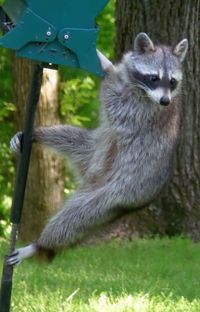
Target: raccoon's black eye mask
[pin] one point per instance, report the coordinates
(153, 81)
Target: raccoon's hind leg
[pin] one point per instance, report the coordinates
(85, 210)
(81, 214)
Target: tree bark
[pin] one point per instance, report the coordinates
(167, 22)
(45, 185)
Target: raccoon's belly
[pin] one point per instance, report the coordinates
(146, 178)
(150, 186)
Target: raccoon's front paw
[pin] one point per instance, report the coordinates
(16, 142)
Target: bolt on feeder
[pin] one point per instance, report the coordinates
(60, 32)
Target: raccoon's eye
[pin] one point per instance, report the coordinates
(173, 82)
(154, 78)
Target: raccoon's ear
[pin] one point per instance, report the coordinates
(180, 49)
(143, 43)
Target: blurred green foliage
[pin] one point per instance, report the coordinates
(78, 105)
(6, 130)
(78, 99)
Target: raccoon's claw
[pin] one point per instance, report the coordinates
(14, 258)
(16, 142)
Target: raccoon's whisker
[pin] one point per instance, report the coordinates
(140, 84)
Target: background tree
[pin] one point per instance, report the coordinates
(178, 209)
(45, 186)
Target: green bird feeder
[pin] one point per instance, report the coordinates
(60, 32)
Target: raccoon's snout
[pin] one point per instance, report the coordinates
(164, 100)
(160, 96)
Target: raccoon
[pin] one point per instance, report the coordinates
(128, 159)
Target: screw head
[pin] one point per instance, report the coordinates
(66, 37)
(48, 33)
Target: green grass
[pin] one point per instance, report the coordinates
(145, 275)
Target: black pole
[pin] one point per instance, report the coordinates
(20, 184)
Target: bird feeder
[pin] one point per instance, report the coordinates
(60, 32)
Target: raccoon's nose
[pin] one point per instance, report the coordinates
(164, 100)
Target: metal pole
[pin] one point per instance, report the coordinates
(20, 184)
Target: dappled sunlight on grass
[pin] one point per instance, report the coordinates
(104, 302)
(142, 303)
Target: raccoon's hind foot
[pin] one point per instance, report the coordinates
(16, 143)
(18, 255)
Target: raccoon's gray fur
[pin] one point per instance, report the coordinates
(128, 159)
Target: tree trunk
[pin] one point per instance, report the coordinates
(178, 209)
(45, 186)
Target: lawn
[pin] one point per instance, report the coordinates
(144, 275)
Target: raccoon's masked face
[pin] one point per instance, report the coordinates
(157, 69)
